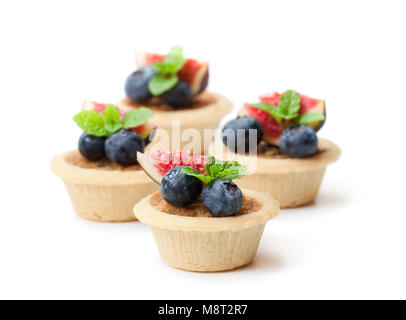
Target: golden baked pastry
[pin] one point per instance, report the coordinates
(102, 191)
(208, 244)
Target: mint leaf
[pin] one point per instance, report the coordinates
(158, 66)
(111, 117)
(288, 117)
(271, 109)
(213, 167)
(309, 118)
(234, 172)
(164, 69)
(92, 123)
(217, 169)
(161, 83)
(210, 161)
(287, 110)
(197, 174)
(175, 59)
(214, 171)
(166, 77)
(229, 170)
(289, 104)
(137, 117)
(102, 125)
(172, 63)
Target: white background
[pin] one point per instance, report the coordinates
(349, 244)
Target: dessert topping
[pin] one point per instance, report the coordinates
(104, 124)
(136, 85)
(166, 77)
(92, 147)
(217, 169)
(299, 141)
(290, 115)
(173, 78)
(182, 186)
(109, 134)
(222, 198)
(236, 134)
(180, 189)
(179, 96)
(122, 147)
(277, 111)
(287, 111)
(156, 163)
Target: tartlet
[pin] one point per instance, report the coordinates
(205, 244)
(277, 140)
(201, 220)
(294, 182)
(102, 193)
(175, 88)
(103, 177)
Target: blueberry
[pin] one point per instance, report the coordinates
(121, 147)
(179, 96)
(92, 147)
(180, 189)
(136, 85)
(222, 198)
(236, 134)
(298, 141)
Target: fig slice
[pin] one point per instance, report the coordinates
(156, 162)
(148, 167)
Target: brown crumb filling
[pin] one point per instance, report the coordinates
(197, 209)
(202, 100)
(268, 150)
(78, 160)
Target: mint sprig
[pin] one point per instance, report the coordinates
(309, 118)
(136, 117)
(160, 83)
(287, 111)
(166, 77)
(217, 169)
(91, 122)
(111, 116)
(103, 125)
(289, 103)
